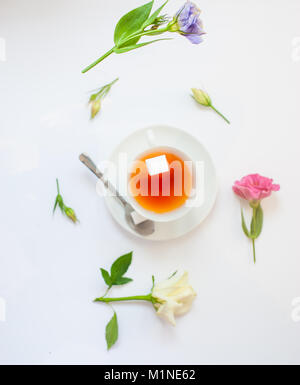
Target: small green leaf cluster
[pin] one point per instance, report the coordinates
(115, 278)
(117, 271)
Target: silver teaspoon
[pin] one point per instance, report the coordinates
(144, 228)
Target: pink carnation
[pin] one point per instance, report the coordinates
(254, 187)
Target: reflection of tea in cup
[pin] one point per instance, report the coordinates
(161, 182)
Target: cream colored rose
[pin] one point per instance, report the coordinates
(174, 296)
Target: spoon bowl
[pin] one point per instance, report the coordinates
(144, 228)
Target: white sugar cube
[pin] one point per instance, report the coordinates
(157, 165)
(137, 218)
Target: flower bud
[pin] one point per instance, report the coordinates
(201, 97)
(160, 20)
(96, 105)
(71, 214)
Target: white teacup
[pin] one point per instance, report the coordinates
(178, 212)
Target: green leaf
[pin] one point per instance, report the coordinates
(120, 266)
(106, 277)
(257, 222)
(59, 201)
(122, 281)
(132, 47)
(252, 226)
(132, 22)
(244, 226)
(111, 331)
(55, 205)
(155, 14)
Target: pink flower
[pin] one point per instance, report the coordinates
(254, 187)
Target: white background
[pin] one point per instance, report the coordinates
(49, 268)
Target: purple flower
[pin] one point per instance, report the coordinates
(189, 23)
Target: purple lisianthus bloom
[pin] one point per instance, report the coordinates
(189, 23)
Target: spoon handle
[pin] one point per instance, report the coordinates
(87, 161)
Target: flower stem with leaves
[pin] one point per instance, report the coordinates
(96, 98)
(68, 211)
(130, 28)
(254, 188)
(146, 297)
(140, 22)
(256, 225)
(169, 299)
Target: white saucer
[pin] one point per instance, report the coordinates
(138, 142)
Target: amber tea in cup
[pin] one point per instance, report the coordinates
(165, 190)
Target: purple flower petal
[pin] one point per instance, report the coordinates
(189, 22)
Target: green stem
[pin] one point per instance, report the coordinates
(98, 60)
(147, 297)
(107, 290)
(113, 82)
(219, 113)
(57, 186)
(105, 90)
(254, 252)
(144, 33)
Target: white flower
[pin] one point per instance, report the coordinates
(174, 296)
